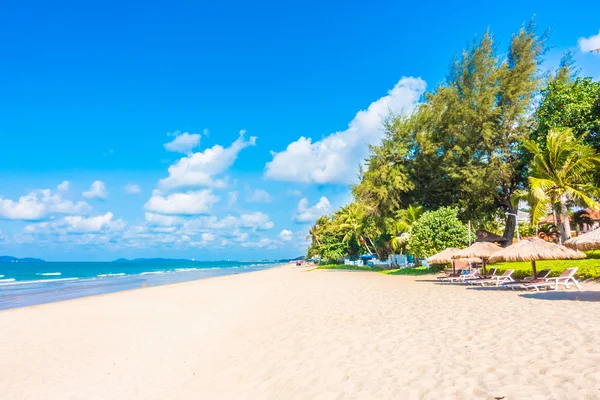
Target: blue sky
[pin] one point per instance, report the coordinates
(216, 130)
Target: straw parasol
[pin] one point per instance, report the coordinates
(534, 249)
(587, 241)
(444, 257)
(481, 250)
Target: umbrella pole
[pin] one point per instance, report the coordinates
(483, 259)
(453, 269)
(533, 270)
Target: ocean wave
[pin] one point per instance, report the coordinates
(1, 276)
(185, 269)
(13, 282)
(105, 275)
(154, 273)
(48, 273)
(7, 279)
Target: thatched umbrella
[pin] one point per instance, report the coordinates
(587, 241)
(481, 250)
(533, 249)
(444, 257)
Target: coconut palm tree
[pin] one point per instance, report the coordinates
(560, 172)
(353, 219)
(405, 218)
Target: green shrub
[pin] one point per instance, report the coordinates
(436, 231)
(350, 267)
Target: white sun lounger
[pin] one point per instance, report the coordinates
(498, 280)
(567, 277)
(459, 279)
(474, 281)
(523, 284)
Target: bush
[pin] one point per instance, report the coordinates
(436, 231)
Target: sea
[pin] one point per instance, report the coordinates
(31, 283)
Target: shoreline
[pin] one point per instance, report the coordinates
(112, 285)
(283, 333)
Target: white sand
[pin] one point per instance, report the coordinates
(290, 334)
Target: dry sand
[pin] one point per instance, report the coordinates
(289, 334)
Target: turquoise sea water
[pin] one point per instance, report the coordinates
(25, 284)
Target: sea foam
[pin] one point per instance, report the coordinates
(48, 273)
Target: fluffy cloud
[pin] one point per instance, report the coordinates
(38, 204)
(589, 44)
(132, 188)
(335, 159)
(183, 142)
(256, 220)
(78, 224)
(264, 243)
(202, 168)
(306, 213)
(189, 203)
(208, 237)
(163, 220)
(286, 235)
(259, 196)
(97, 190)
(63, 186)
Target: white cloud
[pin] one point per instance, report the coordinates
(256, 220)
(208, 237)
(286, 235)
(267, 243)
(63, 187)
(183, 142)
(259, 196)
(97, 190)
(38, 204)
(306, 213)
(163, 220)
(78, 224)
(335, 159)
(232, 198)
(590, 43)
(200, 169)
(132, 188)
(189, 203)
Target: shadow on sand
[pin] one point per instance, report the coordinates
(586, 295)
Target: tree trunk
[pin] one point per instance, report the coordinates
(374, 247)
(509, 228)
(565, 226)
(366, 245)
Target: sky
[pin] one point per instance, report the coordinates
(218, 130)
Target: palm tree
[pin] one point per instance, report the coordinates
(352, 217)
(562, 171)
(548, 232)
(405, 218)
(313, 232)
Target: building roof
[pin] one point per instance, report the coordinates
(485, 236)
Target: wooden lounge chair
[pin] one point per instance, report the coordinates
(567, 277)
(475, 280)
(498, 280)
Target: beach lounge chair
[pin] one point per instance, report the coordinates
(498, 280)
(449, 274)
(492, 274)
(567, 277)
(464, 276)
(541, 277)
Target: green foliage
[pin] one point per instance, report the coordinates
(413, 271)
(436, 231)
(560, 171)
(349, 267)
(568, 103)
(586, 268)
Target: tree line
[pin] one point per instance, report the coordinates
(496, 133)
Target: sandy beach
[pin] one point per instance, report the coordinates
(286, 333)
